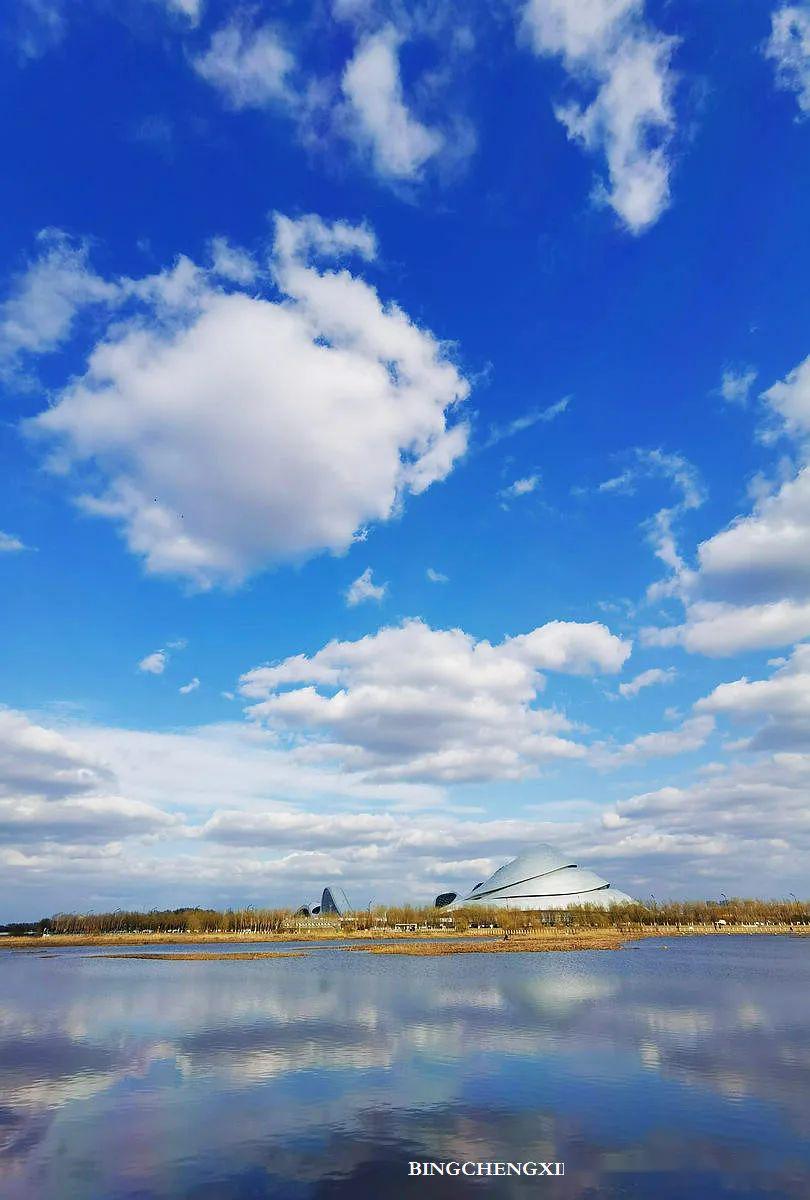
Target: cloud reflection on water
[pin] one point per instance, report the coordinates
(333, 1070)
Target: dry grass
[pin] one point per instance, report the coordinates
(209, 955)
(418, 942)
(531, 944)
(324, 933)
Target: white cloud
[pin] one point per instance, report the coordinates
(81, 812)
(364, 588)
(411, 702)
(691, 735)
(42, 762)
(436, 576)
(647, 679)
(654, 463)
(785, 694)
(39, 314)
(535, 416)
(749, 824)
(154, 664)
(752, 585)
(720, 629)
(622, 483)
(231, 262)
(521, 487)
(41, 25)
(765, 556)
(191, 686)
(192, 9)
(789, 48)
(781, 703)
(235, 764)
(249, 66)
(661, 527)
(235, 431)
(51, 787)
(378, 117)
(9, 544)
(736, 384)
(607, 44)
(790, 400)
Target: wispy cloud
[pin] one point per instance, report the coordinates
(520, 487)
(646, 679)
(735, 386)
(497, 433)
(9, 544)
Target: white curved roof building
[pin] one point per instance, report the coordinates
(543, 878)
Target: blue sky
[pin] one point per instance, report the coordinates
(405, 447)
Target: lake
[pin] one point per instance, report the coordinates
(674, 1069)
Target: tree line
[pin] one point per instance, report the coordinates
(254, 920)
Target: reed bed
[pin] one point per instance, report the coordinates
(532, 944)
(395, 921)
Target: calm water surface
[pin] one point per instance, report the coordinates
(675, 1069)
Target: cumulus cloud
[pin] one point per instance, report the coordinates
(155, 663)
(235, 431)
(364, 588)
(789, 398)
(721, 629)
(232, 262)
(191, 686)
(249, 66)
(788, 47)
(361, 100)
(377, 116)
(691, 735)
(436, 576)
(39, 313)
(411, 702)
(607, 45)
(751, 585)
(780, 704)
(764, 557)
(646, 679)
(9, 544)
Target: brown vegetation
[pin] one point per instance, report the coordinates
(207, 955)
(529, 944)
(404, 921)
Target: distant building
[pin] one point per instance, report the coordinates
(543, 879)
(333, 903)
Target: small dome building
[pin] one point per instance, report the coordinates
(543, 878)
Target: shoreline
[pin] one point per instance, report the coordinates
(416, 942)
